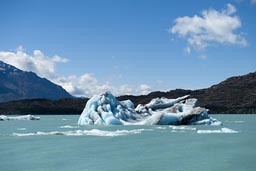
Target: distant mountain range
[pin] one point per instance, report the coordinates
(16, 84)
(235, 95)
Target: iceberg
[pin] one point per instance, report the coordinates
(105, 109)
(24, 117)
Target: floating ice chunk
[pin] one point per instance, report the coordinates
(128, 104)
(3, 118)
(169, 119)
(162, 103)
(209, 121)
(159, 127)
(23, 134)
(25, 117)
(105, 109)
(65, 119)
(93, 132)
(222, 130)
(234, 121)
(68, 126)
(182, 128)
(21, 129)
(238, 121)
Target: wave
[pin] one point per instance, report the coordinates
(93, 132)
(222, 130)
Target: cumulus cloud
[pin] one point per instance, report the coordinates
(84, 85)
(209, 28)
(87, 85)
(39, 63)
(57, 58)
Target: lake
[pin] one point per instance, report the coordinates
(57, 143)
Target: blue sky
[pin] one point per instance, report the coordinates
(129, 46)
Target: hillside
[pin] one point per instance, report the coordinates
(235, 95)
(16, 84)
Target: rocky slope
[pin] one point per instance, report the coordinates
(234, 95)
(16, 84)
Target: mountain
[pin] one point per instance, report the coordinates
(236, 95)
(16, 84)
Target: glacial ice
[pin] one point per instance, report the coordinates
(105, 109)
(24, 117)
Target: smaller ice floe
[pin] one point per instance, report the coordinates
(21, 129)
(24, 117)
(182, 128)
(69, 126)
(234, 121)
(160, 127)
(222, 130)
(105, 109)
(179, 131)
(64, 119)
(238, 121)
(93, 132)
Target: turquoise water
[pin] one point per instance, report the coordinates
(55, 143)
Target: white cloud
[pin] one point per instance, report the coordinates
(85, 85)
(187, 50)
(212, 27)
(141, 89)
(202, 56)
(38, 62)
(57, 58)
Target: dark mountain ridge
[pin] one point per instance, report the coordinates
(16, 84)
(235, 95)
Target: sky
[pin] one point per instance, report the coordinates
(129, 46)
